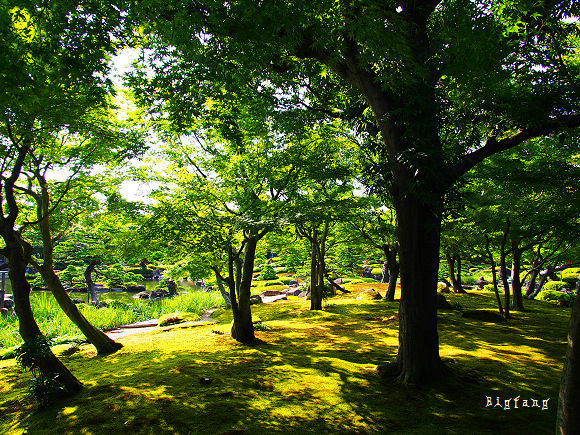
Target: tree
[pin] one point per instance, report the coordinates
(437, 87)
(569, 399)
(53, 67)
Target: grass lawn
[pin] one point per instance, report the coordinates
(308, 373)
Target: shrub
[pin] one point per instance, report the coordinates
(555, 286)
(285, 279)
(557, 297)
(377, 271)
(268, 272)
(570, 276)
(270, 283)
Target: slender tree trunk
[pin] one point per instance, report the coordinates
(419, 228)
(90, 283)
(390, 252)
(531, 286)
(503, 270)
(220, 285)
(385, 273)
(494, 275)
(315, 287)
(568, 422)
(458, 281)
(95, 336)
(517, 302)
(28, 327)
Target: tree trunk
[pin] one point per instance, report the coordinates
(517, 303)
(90, 283)
(531, 286)
(316, 289)
(220, 284)
(28, 327)
(458, 283)
(503, 271)
(419, 228)
(391, 255)
(95, 336)
(385, 274)
(568, 422)
(243, 328)
(494, 275)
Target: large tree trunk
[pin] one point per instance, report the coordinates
(28, 328)
(418, 232)
(243, 328)
(568, 422)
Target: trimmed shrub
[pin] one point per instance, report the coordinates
(276, 282)
(570, 276)
(268, 273)
(557, 297)
(555, 286)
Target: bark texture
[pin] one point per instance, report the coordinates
(568, 422)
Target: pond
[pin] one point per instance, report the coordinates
(121, 296)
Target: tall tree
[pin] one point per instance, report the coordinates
(439, 86)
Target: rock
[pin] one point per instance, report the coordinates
(268, 299)
(294, 292)
(205, 381)
(442, 303)
(483, 315)
(141, 295)
(303, 294)
(272, 293)
(369, 294)
(338, 281)
(77, 301)
(159, 293)
(4, 311)
(293, 283)
(135, 288)
(255, 299)
(172, 287)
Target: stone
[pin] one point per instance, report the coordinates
(159, 293)
(4, 311)
(135, 288)
(293, 283)
(442, 303)
(303, 294)
(255, 299)
(294, 292)
(272, 293)
(268, 299)
(369, 294)
(141, 295)
(483, 315)
(77, 301)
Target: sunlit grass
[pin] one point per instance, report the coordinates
(308, 372)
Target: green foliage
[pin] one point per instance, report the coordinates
(557, 297)
(570, 276)
(73, 275)
(273, 282)
(268, 272)
(555, 286)
(30, 356)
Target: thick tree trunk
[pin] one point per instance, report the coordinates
(418, 232)
(517, 302)
(90, 283)
(568, 422)
(243, 328)
(28, 327)
(316, 289)
(95, 336)
(390, 252)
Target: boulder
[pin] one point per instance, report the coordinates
(4, 311)
(268, 299)
(483, 315)
(272, 293)
(159, 293)
(369, 294)
(255, 299)
(442, 303)
(303, 294)
(135, 288)
(294, 292)
(141, 295)
(77, 301)
(293, 283)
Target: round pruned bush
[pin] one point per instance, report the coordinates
(268, 273)
(555, 286)
(565, 298)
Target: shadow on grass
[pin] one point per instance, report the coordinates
(313, 372)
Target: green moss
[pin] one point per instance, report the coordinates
(177, 317)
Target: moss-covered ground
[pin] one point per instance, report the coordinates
(308, 372)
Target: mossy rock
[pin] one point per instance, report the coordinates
(483, 315)
(369, 295)
(177, 317)
(442, 303)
